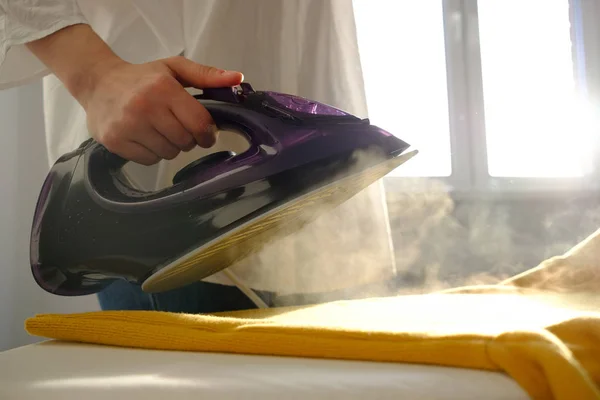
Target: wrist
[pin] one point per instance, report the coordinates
(83, 81)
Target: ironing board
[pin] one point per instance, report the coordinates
(55, 370)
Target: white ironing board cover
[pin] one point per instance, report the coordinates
(54, 370)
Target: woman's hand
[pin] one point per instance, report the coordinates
(139, 111)
(143, 113)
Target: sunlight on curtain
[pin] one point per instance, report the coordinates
(403, 58)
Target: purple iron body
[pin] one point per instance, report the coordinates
(91, 227)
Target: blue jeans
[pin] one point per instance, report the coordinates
(204, 297)
(197, 298)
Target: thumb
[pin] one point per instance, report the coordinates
(191, 74)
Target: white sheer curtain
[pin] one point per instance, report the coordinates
(403, 59)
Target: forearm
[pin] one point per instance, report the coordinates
(77, 56)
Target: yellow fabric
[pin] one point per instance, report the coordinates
(552, 351)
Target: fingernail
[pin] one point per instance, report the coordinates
(209, 138)
(211, 129)
(231, 74)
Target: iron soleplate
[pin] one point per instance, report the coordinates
(250, 237)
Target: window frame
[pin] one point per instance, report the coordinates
(466, 105)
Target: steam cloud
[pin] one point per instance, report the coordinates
(438, 244)
(436, 248)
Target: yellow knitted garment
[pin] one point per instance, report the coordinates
(552, 351)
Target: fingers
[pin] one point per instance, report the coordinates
(158, 144)
(137, 153)
(147, 148)
(190, 73)
(194, 118)
(167, 124)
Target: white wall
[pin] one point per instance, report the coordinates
(8, 220)
(23, 167)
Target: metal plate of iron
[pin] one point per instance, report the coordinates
(250, 237)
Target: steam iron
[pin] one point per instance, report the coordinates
(91, 227)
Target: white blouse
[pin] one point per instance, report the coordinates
(148, 24)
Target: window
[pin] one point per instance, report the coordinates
(534, 120)
(488, 91)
